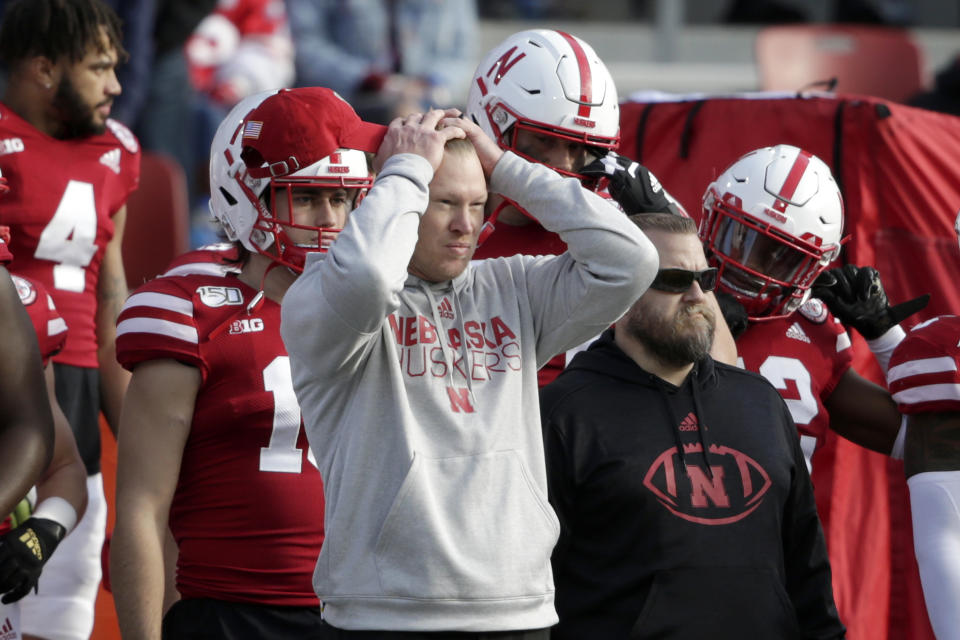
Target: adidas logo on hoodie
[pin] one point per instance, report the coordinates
(445, 309)
(689, 423)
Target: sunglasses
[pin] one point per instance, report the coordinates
(679, 280)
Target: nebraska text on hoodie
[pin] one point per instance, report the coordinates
(421, 399)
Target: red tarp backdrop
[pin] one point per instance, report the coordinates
(899, 170)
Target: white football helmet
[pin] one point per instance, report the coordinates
(772, 222)
(546, 82)
(242, 205)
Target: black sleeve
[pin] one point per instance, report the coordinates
(805, 551)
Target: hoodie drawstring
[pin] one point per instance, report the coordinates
(440, 334)
(676, 432)
(702, 426)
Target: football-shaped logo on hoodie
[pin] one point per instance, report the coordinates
(731, 490)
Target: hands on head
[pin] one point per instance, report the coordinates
(425, 134)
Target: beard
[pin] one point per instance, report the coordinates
(76, 116)
(682, 339)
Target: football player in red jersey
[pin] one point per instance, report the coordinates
(211, 440)
(70, 168)
(772, 223)
(924, 378)
(548, 97)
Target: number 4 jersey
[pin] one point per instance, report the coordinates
(63, 195)
(248, 509)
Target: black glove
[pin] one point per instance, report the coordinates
(733, 313)
(855, 295)
(23, 552)
(632, 185)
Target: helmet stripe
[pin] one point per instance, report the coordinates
(586, 79)
(793, 180)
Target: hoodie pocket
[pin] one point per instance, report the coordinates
(718, 603)
(467, 527)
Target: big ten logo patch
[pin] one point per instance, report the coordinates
(246, 325)
(11, 145)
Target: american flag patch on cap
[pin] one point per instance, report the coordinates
(252, 129)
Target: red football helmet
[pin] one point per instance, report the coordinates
(772, 222)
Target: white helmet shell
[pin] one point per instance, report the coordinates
(549, 80)
(772, 222)
(234, 194)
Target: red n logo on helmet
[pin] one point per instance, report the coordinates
(501, 65)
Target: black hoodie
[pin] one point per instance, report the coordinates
(656, 543)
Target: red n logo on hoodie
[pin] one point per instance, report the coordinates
(460, 400)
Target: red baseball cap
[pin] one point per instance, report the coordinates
(294, 128)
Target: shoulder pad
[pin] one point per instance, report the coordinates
(124, 135)
(814, 310)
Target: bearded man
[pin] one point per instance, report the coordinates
(685, 505)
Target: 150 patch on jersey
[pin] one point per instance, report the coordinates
(220, 296)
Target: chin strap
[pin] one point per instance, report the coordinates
(489, 225)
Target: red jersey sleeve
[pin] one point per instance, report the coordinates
(924, 374)
(157, 322)
(50, 328)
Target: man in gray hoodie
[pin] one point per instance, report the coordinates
(416, 371)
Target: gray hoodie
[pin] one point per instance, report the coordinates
(420, 401)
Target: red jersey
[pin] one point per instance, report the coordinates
(50, 328)
(924, 373)
(247, 513)
(63, 195)
(803, 356)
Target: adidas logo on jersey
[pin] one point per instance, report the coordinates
(10, 145)
(111, 159)
(796, 332)
(445, 309)
(689, 423)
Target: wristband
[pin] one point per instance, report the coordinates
(58, 510)
(883, 346)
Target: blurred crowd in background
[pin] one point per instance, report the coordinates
(192, 60)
